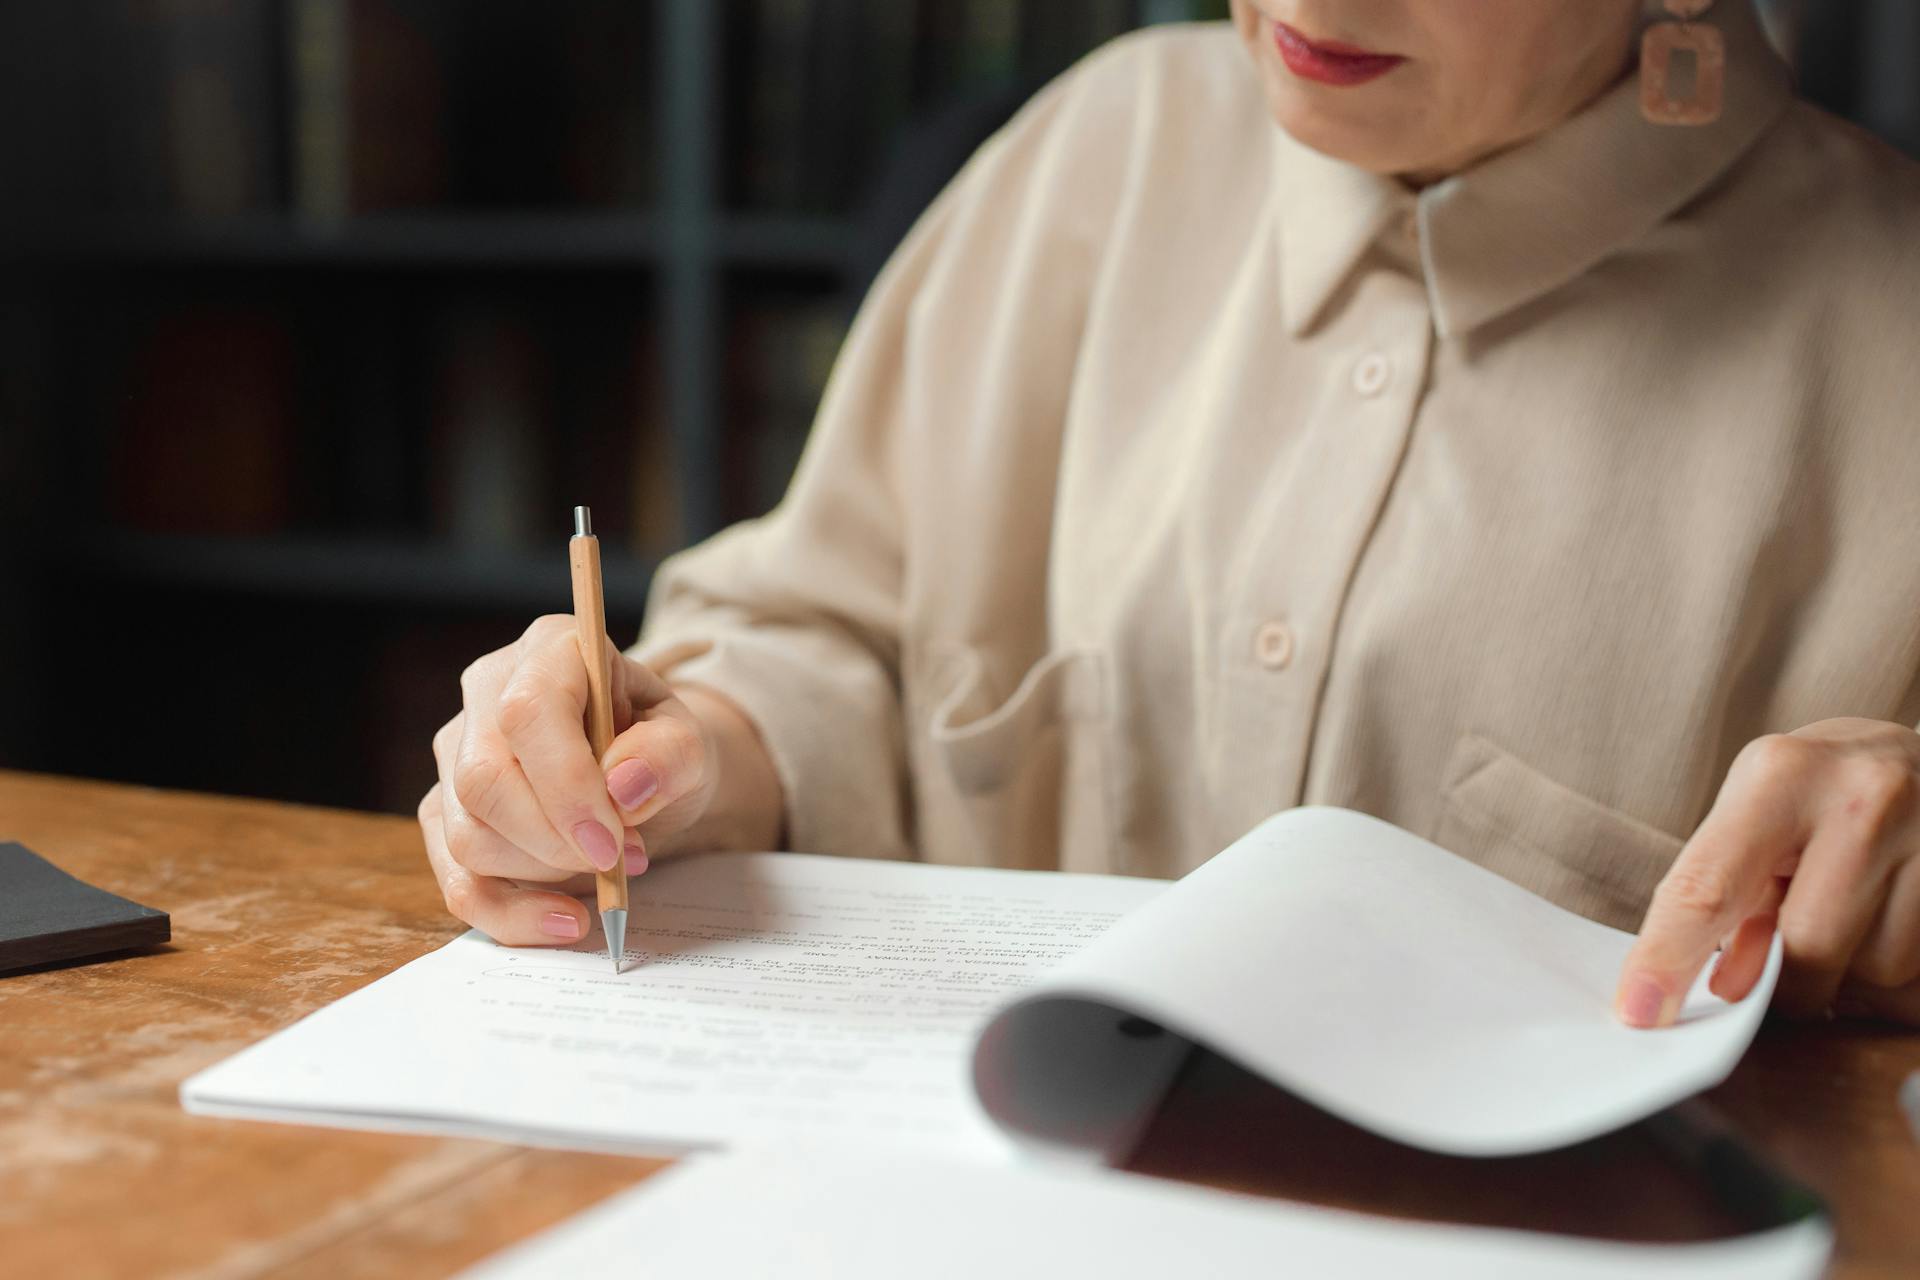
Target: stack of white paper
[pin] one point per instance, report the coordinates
(781, 997)
(782, 1001)
(766, 997)
(831, 1218)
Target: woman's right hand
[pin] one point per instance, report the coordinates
(523, 814)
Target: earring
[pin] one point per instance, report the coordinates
(1709, 50)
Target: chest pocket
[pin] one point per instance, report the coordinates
(1568, 848)
(1019, 782)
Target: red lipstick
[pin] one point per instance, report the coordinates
(1329, 61)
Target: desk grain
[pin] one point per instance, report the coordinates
(279, 909)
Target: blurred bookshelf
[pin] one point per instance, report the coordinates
(336, 308)
(320, 315)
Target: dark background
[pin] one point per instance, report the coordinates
(318, 316)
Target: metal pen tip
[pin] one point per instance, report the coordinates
(582, 522)
(613, 922)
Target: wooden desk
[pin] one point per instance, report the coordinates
(278, 910)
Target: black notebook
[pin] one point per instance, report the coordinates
(46, 915)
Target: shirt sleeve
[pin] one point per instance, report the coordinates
(797, 616)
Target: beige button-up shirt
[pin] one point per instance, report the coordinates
(1174, 474)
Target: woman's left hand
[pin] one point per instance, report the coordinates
(1816, 832)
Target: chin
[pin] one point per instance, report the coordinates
(1365, 145)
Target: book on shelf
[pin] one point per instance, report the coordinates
(885, 59)
(184, 96)
(491, 417)
(829, 84)
(396, 105)
(318, 60)
(836, 98)
(203, 437)
(612, 447)
(609, 144)
(398, 112)
(532, 415)
(656, 520)
(362, 404)
(549, 105)
(965, 47)
(989, 52)
(771, 158)
(780, 354)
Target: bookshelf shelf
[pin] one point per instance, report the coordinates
(361, 570)
(396, 240)
(453, 240)
(816, 242)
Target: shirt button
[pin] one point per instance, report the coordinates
(1371, 373)
(1273, 645)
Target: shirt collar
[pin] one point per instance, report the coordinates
(1524, 222)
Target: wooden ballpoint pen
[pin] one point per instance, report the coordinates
(590, 617)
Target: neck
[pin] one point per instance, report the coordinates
(1611, 61)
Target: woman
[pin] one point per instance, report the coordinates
(1364, 403)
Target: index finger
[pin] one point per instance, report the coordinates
(541, 713)
(1722, 876)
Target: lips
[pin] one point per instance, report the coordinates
(1330, 61)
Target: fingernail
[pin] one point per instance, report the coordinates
(597, 843)
(558, 924)
(631, 784)
(636, 858)
(1642, 1002)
